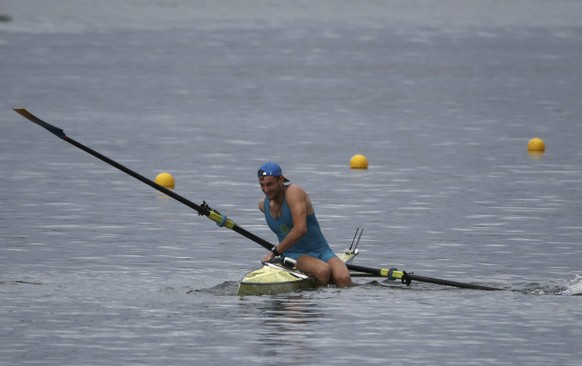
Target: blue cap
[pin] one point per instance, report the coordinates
(271, 169)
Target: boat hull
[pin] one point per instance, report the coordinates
(275, 278)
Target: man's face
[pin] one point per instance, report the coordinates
(271, 186)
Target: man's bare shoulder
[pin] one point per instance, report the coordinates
(294, 189)
(296, 194)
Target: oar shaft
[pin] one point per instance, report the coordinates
(394, 274)
(380, 272)
(204, 210)
(438, 281)
(137, 176)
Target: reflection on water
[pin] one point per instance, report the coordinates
(286, 326)
(535, 155)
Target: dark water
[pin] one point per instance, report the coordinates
(98, 269)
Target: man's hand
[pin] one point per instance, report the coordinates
(268, 257)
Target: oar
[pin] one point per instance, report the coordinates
(203, 209)
(407, 278)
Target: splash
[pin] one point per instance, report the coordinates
(574, 287)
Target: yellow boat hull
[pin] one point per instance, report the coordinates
(274, 278)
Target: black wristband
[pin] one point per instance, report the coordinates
(275, 251)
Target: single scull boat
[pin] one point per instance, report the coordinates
(280, 275)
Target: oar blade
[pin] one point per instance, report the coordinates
(34, 119)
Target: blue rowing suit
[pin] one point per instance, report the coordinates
(313, 243)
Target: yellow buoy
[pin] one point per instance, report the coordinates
(165, 180)
(536, 144)
(359, 162)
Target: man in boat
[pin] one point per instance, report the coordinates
(290, 215)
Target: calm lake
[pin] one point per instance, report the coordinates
(442, 97)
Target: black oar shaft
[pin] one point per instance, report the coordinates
(380, 272)
(202, 210)
(438, 281)
(394, 274)
(136, 175)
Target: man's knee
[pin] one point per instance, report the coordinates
(343, 279)
(323, 274)
(341, 275)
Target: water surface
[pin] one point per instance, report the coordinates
(97, 268)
